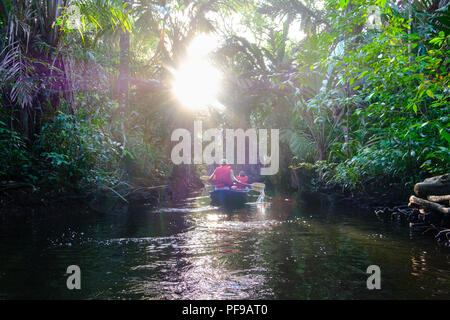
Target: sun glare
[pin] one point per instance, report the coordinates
(196, 82)
(202, 45)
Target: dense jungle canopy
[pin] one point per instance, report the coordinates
(91, 90)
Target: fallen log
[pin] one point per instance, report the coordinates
(413, 200)
(439, 198)
(437, 186)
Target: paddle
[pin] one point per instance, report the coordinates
(257, 186)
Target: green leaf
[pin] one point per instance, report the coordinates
(445, 134)
(363, 74)
(424, 124)
(430, 93)
(343, 4)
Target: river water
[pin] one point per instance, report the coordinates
(279, 249)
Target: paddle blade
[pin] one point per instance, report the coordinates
(258, 186)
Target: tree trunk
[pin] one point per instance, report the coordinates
(25, 122)
(445, 198)
(124, 76)
(436, 186)
(124, 69)
(428, 205)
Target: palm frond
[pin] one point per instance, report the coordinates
(15, 72)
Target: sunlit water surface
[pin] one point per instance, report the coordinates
(279, 249)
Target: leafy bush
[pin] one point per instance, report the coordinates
(77, 151)
(15, 160)
(394, 83)
(388, 164)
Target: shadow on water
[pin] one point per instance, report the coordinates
(189, 249)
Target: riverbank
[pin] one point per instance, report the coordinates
(23, 199)
(311, 185)
(23, 203)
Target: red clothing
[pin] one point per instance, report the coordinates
(243, 179)
(223, 176)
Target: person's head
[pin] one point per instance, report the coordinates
(242, 173)
(224, 162)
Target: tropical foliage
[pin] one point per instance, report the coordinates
(85, 97)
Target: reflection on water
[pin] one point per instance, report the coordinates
(261, 196)
(277, 249)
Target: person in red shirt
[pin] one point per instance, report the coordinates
(242, 178)
(223, 176)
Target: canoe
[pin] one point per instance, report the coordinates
(229, 197)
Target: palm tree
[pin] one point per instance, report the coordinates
(35, 68)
